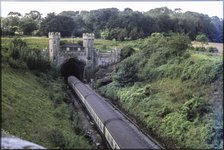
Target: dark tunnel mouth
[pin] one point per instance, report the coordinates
(72, 67)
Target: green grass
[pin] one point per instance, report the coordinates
(209, 57)
(28, 112)
(161, 107)
(173, 99)
(33, 42)
(172, 95)
(100, 44)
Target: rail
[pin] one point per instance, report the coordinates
(126, 117)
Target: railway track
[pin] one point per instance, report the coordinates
(119, 131)
(130, 120)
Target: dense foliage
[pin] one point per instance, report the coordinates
(114, 24)
(35, 105)
(170, 88)
(18, 55)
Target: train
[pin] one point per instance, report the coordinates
(116, 129)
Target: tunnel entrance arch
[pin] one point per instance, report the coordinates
(73, 67)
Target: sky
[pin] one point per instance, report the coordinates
(211, 8)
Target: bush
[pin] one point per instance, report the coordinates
(80, 43)
(57, 138)
(62, 42)
(126, 52)
(178, 44)
(35, 61)
(110, 91)
(195, 107)
(127, 72)
(104, 47)
(15, 53)
(32, 57)
(62, 112)
(213, 50)
(18, 43)
(201, 49)
(201, 71)
(202, 38)
(76, 123)
(17, 64)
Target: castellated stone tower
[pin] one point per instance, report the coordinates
(88, 40)
(54, 46)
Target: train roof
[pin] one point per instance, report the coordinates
(126, 135)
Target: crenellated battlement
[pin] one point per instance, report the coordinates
(88, 36)
(86, 53)
(54, 34)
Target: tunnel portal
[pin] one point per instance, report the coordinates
(72, 67)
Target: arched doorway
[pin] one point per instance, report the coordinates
(72, 67)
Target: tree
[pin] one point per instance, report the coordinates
(14, 14)
(71, 14)
(104, 34)
(178, 44)
(10, 24)
(177, 10)
(53, 23)
(28, 25)
(128, 10)
(35, 15)
(127, 71)
(202, 38)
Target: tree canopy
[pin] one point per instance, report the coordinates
(111, 23)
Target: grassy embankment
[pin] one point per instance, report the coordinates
(34, 104)
(170, 88)
(172, 96)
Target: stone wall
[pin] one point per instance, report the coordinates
(54, 46)
(87, 54)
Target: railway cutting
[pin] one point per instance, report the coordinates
(118, 131)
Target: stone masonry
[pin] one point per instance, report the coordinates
(59, 54)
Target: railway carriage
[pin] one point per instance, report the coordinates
(118, 132)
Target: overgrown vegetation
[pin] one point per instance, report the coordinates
(166, 83)
(35, 106)
(170, 88)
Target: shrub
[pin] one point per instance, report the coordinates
(178, 44)
(213, 50)
(110, 91)
(15, 53)
(18, 43)
(195, 107)
(62, 112)
(62, 42)
(103, 47)
(36, 62)
(202, 71)
(126, 52)
(127, 71)
(57, 138)
(17, 64)
(202, 38)
(80, 43)
(201, 49)
(76, 122)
